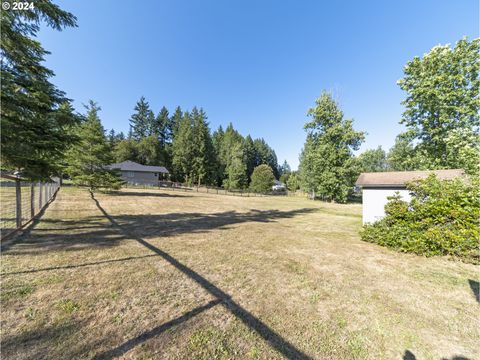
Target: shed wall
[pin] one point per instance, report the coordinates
(374, 201)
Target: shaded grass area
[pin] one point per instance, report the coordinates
(156, 274)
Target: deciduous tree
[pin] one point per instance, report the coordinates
(327, 162)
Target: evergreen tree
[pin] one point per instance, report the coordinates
(236, 169)
(112, 137)
(285, 168)
(142, 121)
(125, 149)
(174, 123)
(182, 150)
(88, 160)
(36, 118)
(217, 139)
(327, 162)
(232, 155)
(265, 155)
(149, 151)
(250, 156)
(161, 129)
(203, 151)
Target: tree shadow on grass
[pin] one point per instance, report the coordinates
(475, 286)
(146, 194)
(31, 343)
(94, 232)
(408, 355)
(276, 341)
(130, 344)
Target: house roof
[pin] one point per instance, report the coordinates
(133, 166)
(400, 178)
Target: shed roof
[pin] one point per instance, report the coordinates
(400, 178)
(133, 166)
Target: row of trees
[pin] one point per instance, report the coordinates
(441, 118)
(184, 144)
(42, 136)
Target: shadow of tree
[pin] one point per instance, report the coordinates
(270, 336)
(28, 340)
(408, 355)
(146, 194)
(91, 232)
(475, 286)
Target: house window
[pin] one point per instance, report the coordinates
(156, 174)
(130, 174)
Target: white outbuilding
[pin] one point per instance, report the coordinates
(378, 186)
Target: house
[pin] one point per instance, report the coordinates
(378, 186)
(137, 174)
(278, 186)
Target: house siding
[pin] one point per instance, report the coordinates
(140, 177)
(374, 201)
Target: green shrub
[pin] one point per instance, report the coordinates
(262, 179)
(442, 218)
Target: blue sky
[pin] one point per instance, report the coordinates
(258, 64)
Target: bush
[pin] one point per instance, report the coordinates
(262, 179)
(441, 219)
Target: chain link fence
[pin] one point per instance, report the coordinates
(21, 201)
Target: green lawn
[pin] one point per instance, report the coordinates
(171, 275)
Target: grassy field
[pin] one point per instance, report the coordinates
(157, 274)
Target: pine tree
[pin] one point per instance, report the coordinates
(217, 139)
(250, 156)
(264, 154)
(88, 160)
(142, 122)
(125, 149)
(203, 152)
(182, 150)
(236, 169)
(174, 123)
(36, 117)
(161, 129)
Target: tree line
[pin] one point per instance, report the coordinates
(185, 145)
(43, 136)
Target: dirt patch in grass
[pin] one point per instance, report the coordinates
(159, 274)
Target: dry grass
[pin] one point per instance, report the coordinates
(158, 274)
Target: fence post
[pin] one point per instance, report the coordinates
(18, 199)
(32, 200)
(40, 196)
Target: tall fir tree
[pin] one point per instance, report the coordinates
(266, 155)
(250, 156)
(174, 123)
(182, 150)
(203, 151)
(36, 117)
(161, 127)
(142, 122)
(217, 139)
(88, 159)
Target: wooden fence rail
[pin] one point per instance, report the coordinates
(21, 201)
